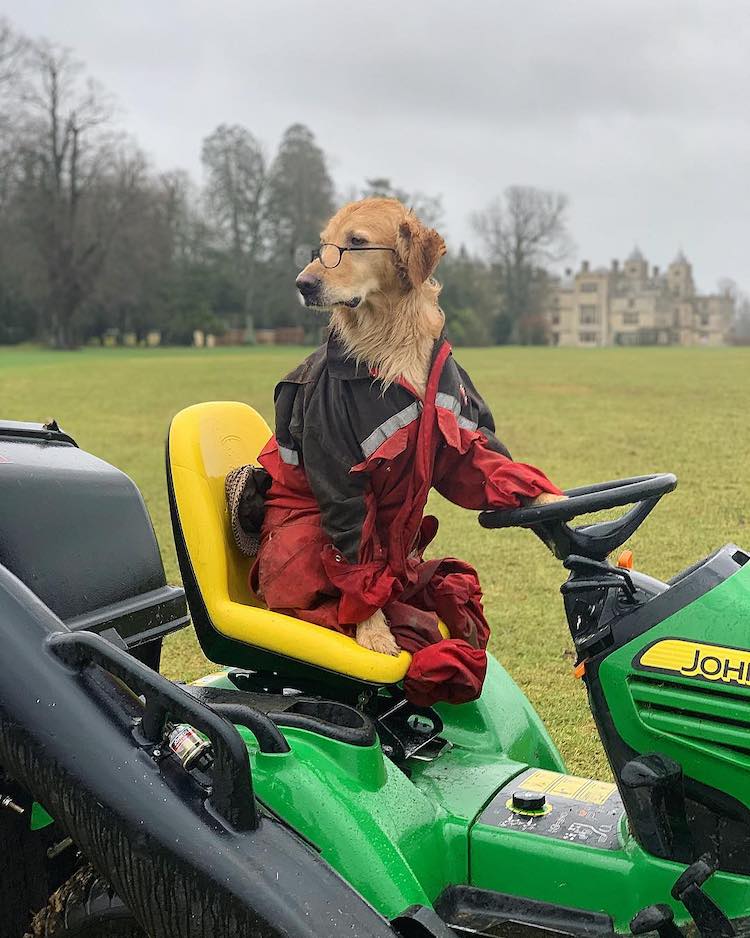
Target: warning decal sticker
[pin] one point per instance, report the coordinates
(571, 786)
(579, 810)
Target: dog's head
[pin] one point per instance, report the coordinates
(375, 246)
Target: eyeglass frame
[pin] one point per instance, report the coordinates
(315, 253)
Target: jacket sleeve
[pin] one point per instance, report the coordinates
(475, 470)
(353, 561)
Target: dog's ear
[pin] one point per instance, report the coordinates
(418, 250)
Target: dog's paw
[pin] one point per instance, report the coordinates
(374, 634)
(546, 498)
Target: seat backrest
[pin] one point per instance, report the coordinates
(206, 441)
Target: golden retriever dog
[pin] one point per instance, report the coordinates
(382, 297)
(373, 272)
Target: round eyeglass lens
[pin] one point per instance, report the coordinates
(330, 255)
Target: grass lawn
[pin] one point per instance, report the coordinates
(582, 415)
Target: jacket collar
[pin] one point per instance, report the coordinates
(341, 365)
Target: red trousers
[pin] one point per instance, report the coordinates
(292, 576)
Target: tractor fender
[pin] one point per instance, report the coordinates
(185, 867)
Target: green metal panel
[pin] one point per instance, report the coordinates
(364, 815)
(501, 723)
(681, 716)
(401, 840)
(619, 883)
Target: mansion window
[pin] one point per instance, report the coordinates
(630, 318)
(587, 336)
(591, 286)
(589, 315)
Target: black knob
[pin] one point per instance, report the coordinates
(658, 918)
(528, 800)
(695, 875)
(651, 771)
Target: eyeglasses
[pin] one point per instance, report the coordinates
(330, 255)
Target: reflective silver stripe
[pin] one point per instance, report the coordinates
(290, 456)
(466, 424)
(449, 402)
(386, 429)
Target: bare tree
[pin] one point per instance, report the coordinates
(77, 182)
(12, 48)
(740, 327)
(741, 324)
(729, 287)
(17, 320)
(180, 201)
(522, 234)
(235, 188)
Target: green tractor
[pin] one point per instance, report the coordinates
(296, 791)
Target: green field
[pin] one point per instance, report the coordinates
(582, 415)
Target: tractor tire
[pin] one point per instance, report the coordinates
(23, 874)
(85, 907)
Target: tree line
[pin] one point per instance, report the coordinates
(96, 241)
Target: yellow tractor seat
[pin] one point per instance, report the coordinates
(205, 442)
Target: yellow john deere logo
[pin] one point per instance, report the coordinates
(697, 660)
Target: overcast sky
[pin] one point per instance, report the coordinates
(639, 111)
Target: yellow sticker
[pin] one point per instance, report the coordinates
(569, 786)
(698, 660)
(598, 792)
(540, 780)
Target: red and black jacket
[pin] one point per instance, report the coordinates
(364, 458)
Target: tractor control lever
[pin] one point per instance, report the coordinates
(659, 810)
(599, 568)
(711, 921)
(658, 918)
(585, 593)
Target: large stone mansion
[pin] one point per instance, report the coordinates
(634, 305)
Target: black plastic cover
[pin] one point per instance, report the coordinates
(187, 862)
(76, 531)
(472, 911)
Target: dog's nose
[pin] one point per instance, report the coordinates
(307, 284)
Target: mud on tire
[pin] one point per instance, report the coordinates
(85, 907)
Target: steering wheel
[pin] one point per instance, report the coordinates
(594, 541)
